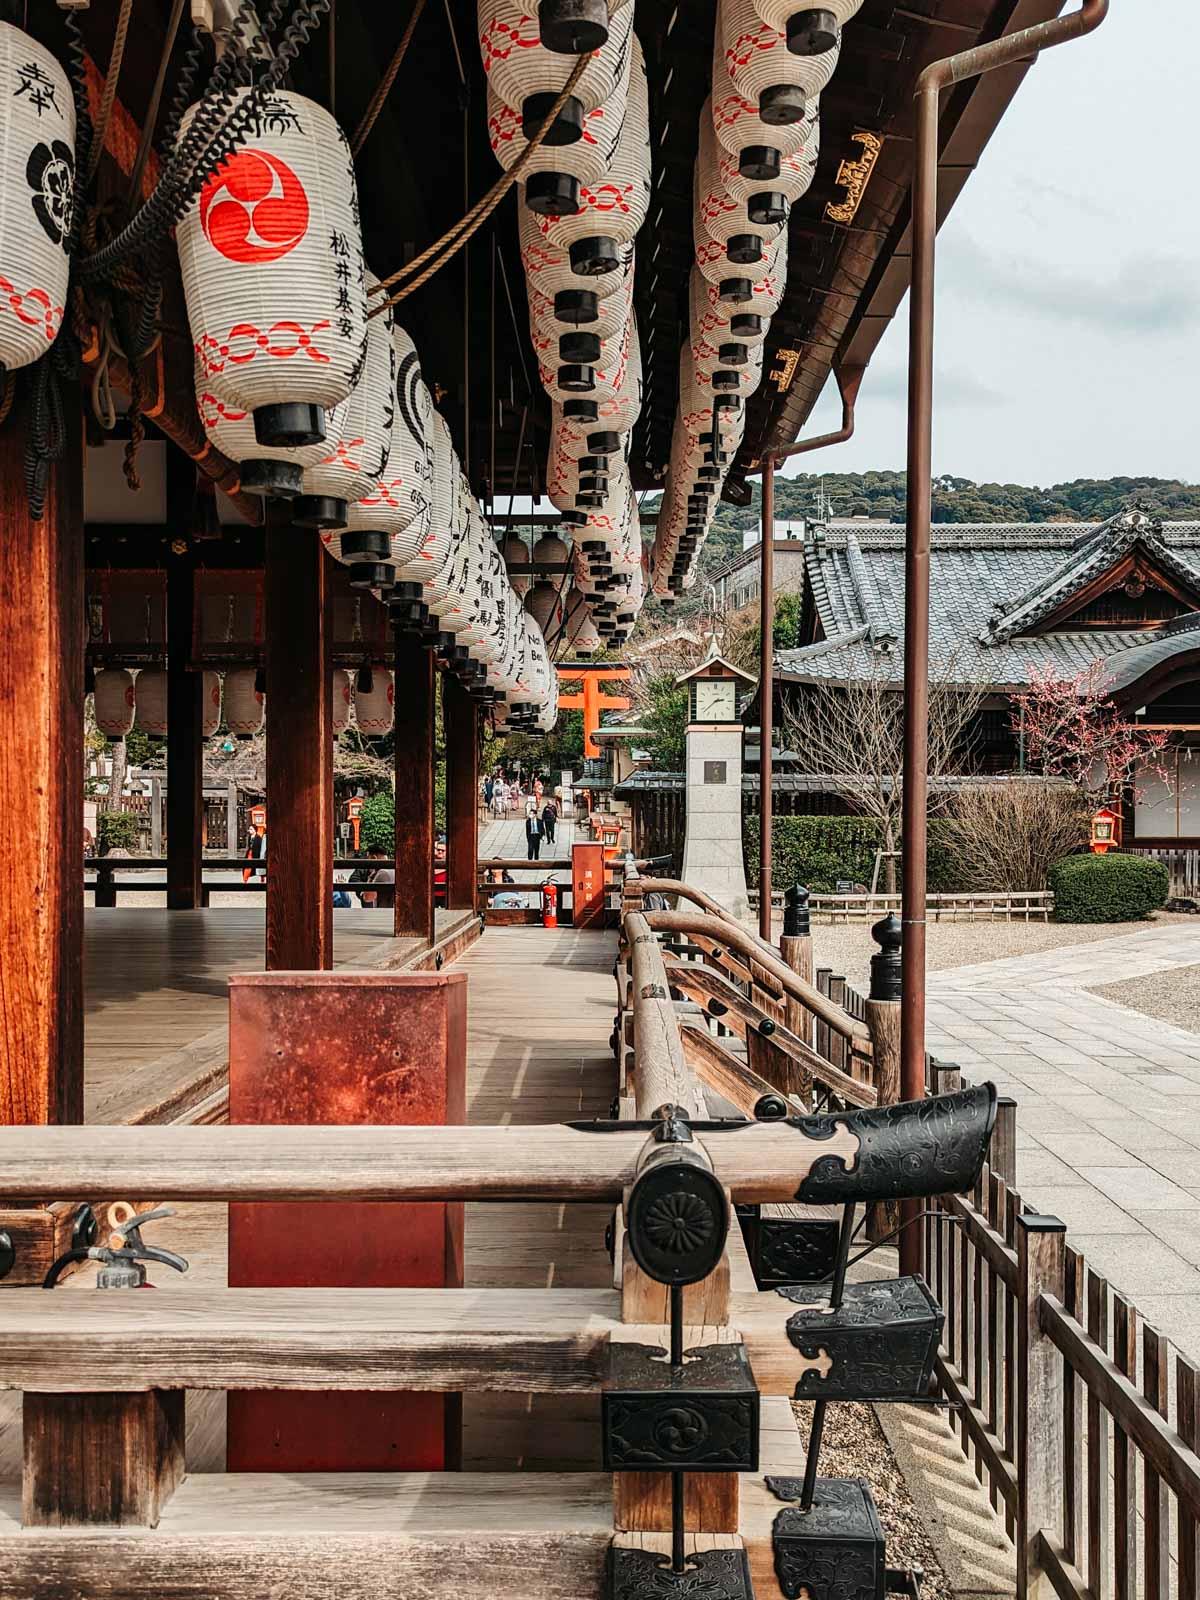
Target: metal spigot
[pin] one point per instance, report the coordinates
(123, 1256)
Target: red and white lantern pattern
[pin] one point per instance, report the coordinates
(518, 65)
(245, 704)
(210, 704)
(375, 708)
(150, 702)
(352, 468)
(341, 700)
(114, 702)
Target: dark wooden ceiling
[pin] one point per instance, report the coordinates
(428, 158)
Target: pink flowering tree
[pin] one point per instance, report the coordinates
(1071, 729)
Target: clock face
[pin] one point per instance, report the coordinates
(716, 700)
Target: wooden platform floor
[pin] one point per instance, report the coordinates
(155, 992)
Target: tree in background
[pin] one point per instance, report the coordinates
(854, 734)
(1070, 728)
(1007, 833)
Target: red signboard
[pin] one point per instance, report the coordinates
(587, 885)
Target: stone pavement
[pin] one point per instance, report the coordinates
(505, 840)
(1109, 1106)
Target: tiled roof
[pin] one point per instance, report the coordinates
(980, 574)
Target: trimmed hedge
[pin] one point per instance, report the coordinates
(1107, 888)
(118, 831)
(818, 851)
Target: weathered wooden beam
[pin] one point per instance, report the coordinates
(102, 1457)
(662, 1074)
(41, 785)
(756, 1162)
(720, 1070)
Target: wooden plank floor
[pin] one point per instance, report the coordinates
(156, 986)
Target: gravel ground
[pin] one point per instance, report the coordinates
(848, 947)
(854, 1447)
(1172, 996)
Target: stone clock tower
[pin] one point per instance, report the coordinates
(712, 852)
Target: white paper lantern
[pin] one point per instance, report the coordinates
(210, 703)
(434, 549)
(341, 699)
(245, 704)
(114, 702)
(273, 272)
(738, 125)
(548, 270)
(516, 554)
(810, 29)
(150, 702)
(772, 172)
(38, 140)
(552, 174)
(530, 78)
(375, 707)
(761, 67)
(569, 309)
(263, 469)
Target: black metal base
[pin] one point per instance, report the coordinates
(552, 194)
(746, 325)
(577, 306)
(879, 1344)
(768, 209)
(744, 249)
(289, 425)
(276, 480)
(735, 290)
(734, 355)
(708, 1575)
(761, 162)
(781, 104)
(371, 575)
(567, 127)
(812, 32)
(604, 443)
(576, 379)
(582, 348)
(593, 257)
(366, 544)
(580, 410)
(786, 1251)
(319, 511)
(834, 1550)
(573, 27)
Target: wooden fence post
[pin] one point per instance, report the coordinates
(100, 1458)
(1002, 1153)
(1041, 1270)
(883, 1019)
(795, 948)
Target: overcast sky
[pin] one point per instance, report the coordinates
(1068, 305)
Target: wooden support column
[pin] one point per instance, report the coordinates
(100, 1458)
(185, 740)
(415, 706)
(460, 723)
(41, 785)
(299, 751)
(883, 1019)
(1041, 1269)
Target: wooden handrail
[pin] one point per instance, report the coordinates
(737, 938)
(662, 1074)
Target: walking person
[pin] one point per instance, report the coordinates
(549, 819)
(533, 830)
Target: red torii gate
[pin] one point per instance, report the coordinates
(590, 701)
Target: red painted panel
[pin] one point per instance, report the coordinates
(587, 885)
(345, 1048)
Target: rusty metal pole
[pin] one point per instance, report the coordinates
(939, 75)
(766, 694)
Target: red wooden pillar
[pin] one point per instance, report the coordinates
(299, 751)
(185, 740)
(346, 1048)
(41, 787)
(460, 721)
(415, 705)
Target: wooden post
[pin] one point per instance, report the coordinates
(415, 706)
(883, 1019)
(41, 782)
(233, 838)
(1041, 1269)
(100, 1458)
(185, 740)
(1002, 1153)
(460, 724)
(795, 948)
(299, 752)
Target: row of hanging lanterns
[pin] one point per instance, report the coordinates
(758, 147)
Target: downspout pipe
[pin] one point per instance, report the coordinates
(939, 75)
(849, 378)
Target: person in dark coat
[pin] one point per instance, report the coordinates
(549, 818)
(533, 834)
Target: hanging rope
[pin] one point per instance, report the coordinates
(110, 91)
(454, 238)
(384, 86)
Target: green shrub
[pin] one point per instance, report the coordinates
(378, 829)
(118, 832)
(821, 851)
(1107, 888)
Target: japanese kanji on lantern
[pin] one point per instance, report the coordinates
(245, 703)
(273, 273)
(37, 135)
(114, 702)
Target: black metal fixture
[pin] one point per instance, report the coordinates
(289, 425)
(796, 923)
(122, 1266)
(573, 27)
(812, 32)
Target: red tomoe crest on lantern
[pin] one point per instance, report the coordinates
(254, 208)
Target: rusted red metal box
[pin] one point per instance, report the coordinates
(345, 1048)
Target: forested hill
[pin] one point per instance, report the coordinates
(881, 495)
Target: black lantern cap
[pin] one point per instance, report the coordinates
(552, 194)
(580, 410)
(744, 249)
(575, 519)
(746, 325)
(567, 127)
(319, 511)
(594, 256)
(289, 424)
(576, 305)
(576, 379)
(366, 543)
(596, 483)
(725, 378)
(781, 104)
(768, 208)
(583, 348)
(812, 32)
(762, 162)
(736, 290)
(371, 575)
(276, 480)
(734, 355)
(589, 500)
(604, 442)
(593, 463)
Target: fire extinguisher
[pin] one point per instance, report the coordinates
(121, 1259)
(549, 905)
